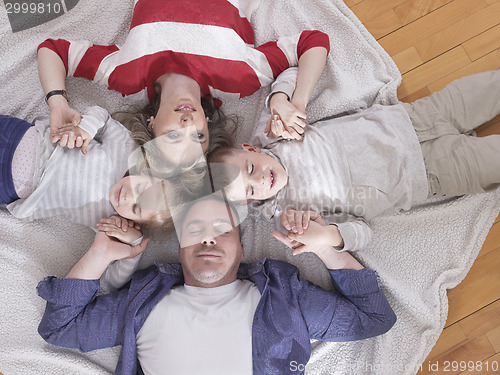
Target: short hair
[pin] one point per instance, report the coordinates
(182, 213)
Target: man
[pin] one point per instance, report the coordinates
(213, 314)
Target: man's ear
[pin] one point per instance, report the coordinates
(249, 147)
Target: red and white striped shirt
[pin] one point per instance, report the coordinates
(209, 41)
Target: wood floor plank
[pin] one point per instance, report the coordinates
(451, 338)
(459, 32)
(494, 338)
(416, 95)
(407, 60)
(351, 3)
(493, 123)
(383, 24)
(369, 9)
(472, 295)
(492, 242)
(475, 350)
(489, 366)
(482, 322)
(414, 9)
(433, 70)
(483, 43)
(489, 62)
(429, 25)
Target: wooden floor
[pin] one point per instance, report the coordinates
(434, 42)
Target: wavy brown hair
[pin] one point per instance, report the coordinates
(221, 128)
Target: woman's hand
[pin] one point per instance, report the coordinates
(72, 136)
(122, 229)
(286, 121)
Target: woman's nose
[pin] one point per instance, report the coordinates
(186, 119)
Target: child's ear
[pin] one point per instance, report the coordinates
(249, 147)
(151, 122)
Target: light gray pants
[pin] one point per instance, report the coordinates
(457, 163)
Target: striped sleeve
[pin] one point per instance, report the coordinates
(94, 119)
(286, 51)
(355, 231)
(81, 58)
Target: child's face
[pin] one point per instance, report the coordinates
(138, 198)
(263, 176)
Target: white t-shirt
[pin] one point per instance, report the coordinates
(200, 331)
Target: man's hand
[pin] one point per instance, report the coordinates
(316, 239)
(297, 221)
(286, 120)
(103, 251)
(120, 228)
(319, 238)
(72, 136)
(116, 250)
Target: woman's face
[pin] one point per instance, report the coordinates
(181, 129)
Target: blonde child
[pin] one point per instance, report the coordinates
(41, 179)
(377, 161)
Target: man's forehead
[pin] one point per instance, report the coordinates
(210, 211)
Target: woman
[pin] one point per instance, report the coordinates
(177, 53)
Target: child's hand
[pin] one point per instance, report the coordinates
(122, 229)
(317, 238)
(275, 127)
(307, 232)
(61, 115)
(297, 221)
(287, 120)
(72, 136)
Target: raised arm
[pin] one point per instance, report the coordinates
(52, 74)
(345, 232)
(103, 251)
(291, 93)
(358, 309)
(59, 58)
(74, 317)
(311, 65)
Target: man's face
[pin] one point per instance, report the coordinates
(210, 251)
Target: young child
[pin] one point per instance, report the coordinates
(40, 179)
(379, 160)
